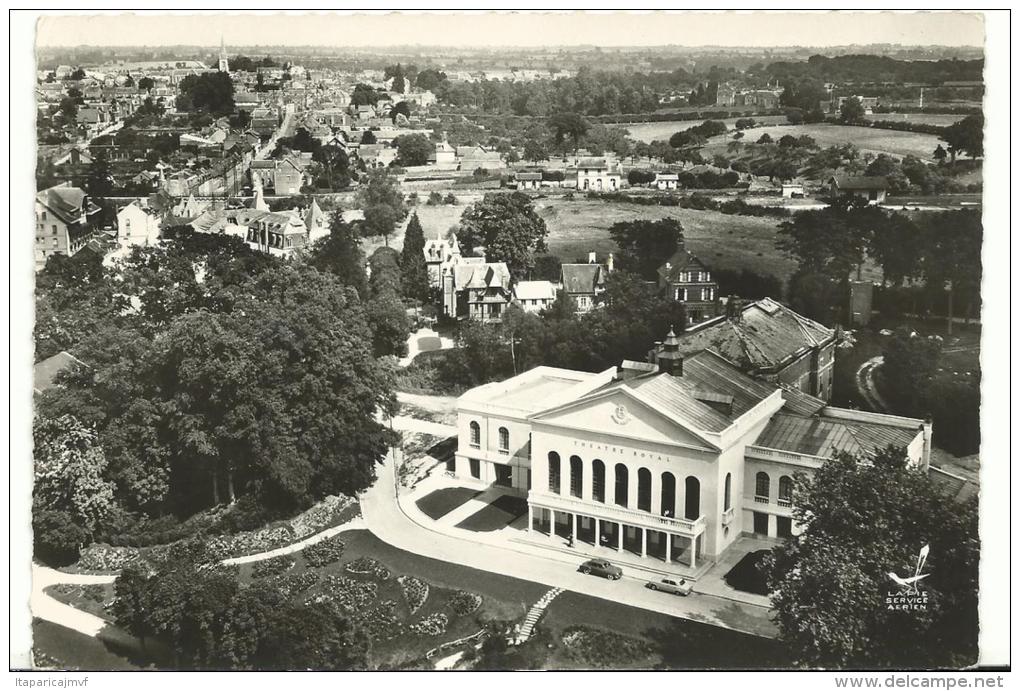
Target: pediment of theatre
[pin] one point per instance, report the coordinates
(620, 413)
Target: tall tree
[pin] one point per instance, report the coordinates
(840, 563)
(414, 278)
(508, 227)
(569, 125)
(852, 111)
(413, 149)
(339, 253)
(966, 136)
(647, 245)
(952, 254)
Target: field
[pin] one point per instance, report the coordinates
(722, 241)
(652, 131)
(940, 119)
(867, 139)
(433, 219)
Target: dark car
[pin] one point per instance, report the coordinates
(601, 567)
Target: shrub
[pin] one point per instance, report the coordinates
(321, 516)
(598, 648)
(296, 583)
(366, 565)
(56, 538)
(432, 625)
(99, 557)
(325, 552)
(381, 622)
(272, 567)
(348, 594)
(415, 591)
(463, 603)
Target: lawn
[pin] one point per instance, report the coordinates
(867, 139)
(938, 119)
(434, 220)
(57, 647)
(722, 241)
(666, 642)
(747, 575)
(662, 131)
(499, 514)
(427, 343)
(95, 599)
(437, 504)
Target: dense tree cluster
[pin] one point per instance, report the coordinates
(840, 566)
(211, 92)
(212, 372)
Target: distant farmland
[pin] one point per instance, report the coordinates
(867, 139)
(652, 131)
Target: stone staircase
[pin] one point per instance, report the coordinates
(534, 614)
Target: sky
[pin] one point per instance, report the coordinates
(747, 29)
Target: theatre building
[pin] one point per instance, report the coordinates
(669, 461)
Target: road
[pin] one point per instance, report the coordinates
(865, 379)
(387, 520)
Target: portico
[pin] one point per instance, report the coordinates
(642, 534)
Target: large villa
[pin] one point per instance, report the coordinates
(669, 460)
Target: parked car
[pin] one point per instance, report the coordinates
(669, 585)
(601, 567)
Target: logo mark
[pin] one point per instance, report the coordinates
(910, 597)
(909, 586)
(620, 415)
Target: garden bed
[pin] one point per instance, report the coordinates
(96, 598)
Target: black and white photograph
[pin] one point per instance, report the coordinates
(458, 340)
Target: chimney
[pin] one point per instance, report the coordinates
(668, 357)
(609, 263)
(591, 258)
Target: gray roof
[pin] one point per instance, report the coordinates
(861, 182)
(682, 260)
(581, 278)
(824, 437)
(766, 335)
(45, 372)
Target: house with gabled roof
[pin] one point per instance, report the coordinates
(870, 188)
(686, 279)
(65, 221)
(476, 289)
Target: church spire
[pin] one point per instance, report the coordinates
(224, 65)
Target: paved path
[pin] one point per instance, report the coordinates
(353, 524)
(535, 613)
(865, 379)
(387, 520)
(49, 608)
(445, 343)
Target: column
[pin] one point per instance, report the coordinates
(598, 532)
(531, 517)
(619, 537)
(632, 487)
(573, 526)
(587, 480)
(656, 491)
(644, 542)
(694, 548)
(669, 547)
(552, 524)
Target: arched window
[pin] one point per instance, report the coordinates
(576, 476)
(762, 487)
(692, 498)
(504, 441)
(554, 472)
(476, 434)
(668, 504)
(644, 489)
(726, 492)
(621, 489)
(598, 481)
(785, 491)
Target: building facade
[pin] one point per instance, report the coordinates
(65, 221)
(669, 461)
(686, 279)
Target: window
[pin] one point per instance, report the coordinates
(598, 481)
(761, 488)
(54, 229)
(476, 435)
(621, 489)
(667, 505)
(576, 476)
(554, 472)
(726, 492)
(504, 441)
(785, 491)
(692, 498)
(44, 215)
(644, 489)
